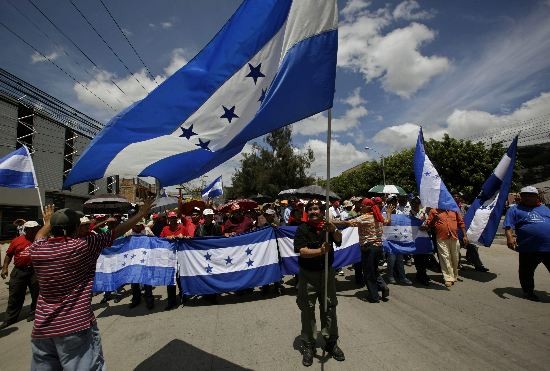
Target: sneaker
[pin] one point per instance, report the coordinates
(308, 351)
(170, 306)
(406, 281)
(448, 283)
(385, 293)
(6, 324)
(335, 352)
(392, 280)
(482, 269)
(341, 272)
(531, 296)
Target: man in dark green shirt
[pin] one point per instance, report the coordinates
(310, 243)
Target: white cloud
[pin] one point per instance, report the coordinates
(127, 32)
(471, 124)
(409, 10)
(342, 157)
(37, 58)
(317, 124)
(178, 61)
(393, 57)
(104, 88)
(166, 25)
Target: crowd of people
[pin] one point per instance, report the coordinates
(56, 261)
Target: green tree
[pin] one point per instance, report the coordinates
(268, 170)
(462, 165)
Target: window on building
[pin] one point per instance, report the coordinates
(25, 127)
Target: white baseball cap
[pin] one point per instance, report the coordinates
(31, 224)
(270, 211)
(529, 189)
(208, 212)
(85, 220)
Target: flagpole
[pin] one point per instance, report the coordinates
(35, 181)
(327, 211)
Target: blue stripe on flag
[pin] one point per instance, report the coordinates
(154, 276)
(16, 179)
(404, 237)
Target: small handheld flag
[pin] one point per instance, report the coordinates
(17, 170)
(215, 189)
(431, 188)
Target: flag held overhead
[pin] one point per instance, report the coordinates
(17, 170)
(273, 63)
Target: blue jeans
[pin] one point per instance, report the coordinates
(78, 351)
(396, 268)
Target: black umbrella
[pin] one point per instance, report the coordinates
(315, 191)
(107, 204)
(262, 199)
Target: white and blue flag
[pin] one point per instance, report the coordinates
(483, 216)
(272, 64)
(431, 189)
(17, 170)
(216, 265)
(136, 259)
(404, 236)
(215, 189)
(347, 253)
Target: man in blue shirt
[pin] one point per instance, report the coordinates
(531, 221)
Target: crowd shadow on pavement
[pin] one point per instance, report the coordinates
(501, 292)
(7, 331)
(179, 355)
(472, 274)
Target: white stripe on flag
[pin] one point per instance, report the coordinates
(402, 233)
(164, 258)
(17, 163)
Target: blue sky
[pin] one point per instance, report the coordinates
(461, 67)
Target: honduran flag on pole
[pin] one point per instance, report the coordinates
(483, 216)
(347, 253)
(272, 64)
(136, 259)
(216, 265)
(17, 170)
(431, 189)
(404, 236)
(215, 189)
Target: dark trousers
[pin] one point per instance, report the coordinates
(147, 293)
(311, 289)
(472, 255)
(20, 279)
(421, 264)
(528, 262)
(358, 269)
(370, 255)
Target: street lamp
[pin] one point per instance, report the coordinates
(382, 157)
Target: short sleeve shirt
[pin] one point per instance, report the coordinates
(532, 226)
(19, 250)
(167, 232)
(65, 268)
(307, 236)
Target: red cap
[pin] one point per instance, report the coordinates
(367, 202)
(172, 214)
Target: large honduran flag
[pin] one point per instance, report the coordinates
(346, 254)
(136, 259)
(431, 189)
(216, 265)
(272, 64)
(404, 236)
(483, 216)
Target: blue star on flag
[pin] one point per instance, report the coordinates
(187, 133)
(262, 97)
(132, 256)
(203, 145)
(208, 256)
(248, 251)
(228, 260)
(142, 261)
(208, 269)
(249, 262)
(255, 72)
(229, 113)
(144, 252)
(125, 256)
(123, 264)
(427, 173)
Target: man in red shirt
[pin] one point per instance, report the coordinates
(237, 222)
(22, 275)
(171, 231)
(446, 224)
(65, 334)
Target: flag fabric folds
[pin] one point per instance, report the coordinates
(404, 236)
(483, 216)
(215, 189)
(431, 189)
(273, 63)
(136, 259)
(216, 265)
(17, 170)
(345, 254)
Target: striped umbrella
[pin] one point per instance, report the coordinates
(388, 189)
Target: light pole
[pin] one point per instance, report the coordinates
(382, 157)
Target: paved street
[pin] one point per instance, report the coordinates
(481, 323)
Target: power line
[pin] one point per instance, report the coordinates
(107, 44)
(72, 42)
(129, 43)
(55, 64)
(59, 47)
